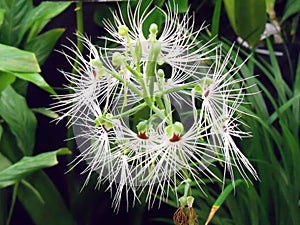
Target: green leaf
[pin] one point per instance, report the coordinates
(37, 18)
(43, 44)
(2, 14)
(216, 18)
(46, 112)
(53, 211)
(28, 165)
(182, 5)
(270, 5)
(15, 60)
(230, 9)
(6, 79)
(283, 108)
(291, 7)
(159, 3)
(222, 197)
(36, 79)
(296, 106)
(247, 18)
(15, 11)
(4, 162)
(1, 131)
(102, 12)
(20, 119)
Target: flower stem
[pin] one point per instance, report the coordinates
(132, 88)
(130, 111)
(13, 201)
(79, 21)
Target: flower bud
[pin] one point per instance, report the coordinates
(178, 128)
(142, 126)
(190, 201)
(174, 131)
(153, 29)
(202, 85)
(153, 32)
(117, 59)
(161, 73)
(96, 63)
(123, 30)
(99, 70)
(182, 200)
(105, 121)
(138, 50)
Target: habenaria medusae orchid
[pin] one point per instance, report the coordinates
(144, 127)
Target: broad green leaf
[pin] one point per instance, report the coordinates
(36, 79)
(2, 14)
(8, 145)
(291, 7)
(15, 11)
(102, 12)
(4, 162)
(181, 5)
(46, 112)
(53, 211)
(15, 60)
(37, 18)
(28, 165)
(20, 119)
(43, 44)
(248, 18)
(159, 3)
(6, 79)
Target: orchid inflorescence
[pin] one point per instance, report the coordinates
(156, 111)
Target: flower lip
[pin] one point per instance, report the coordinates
(143, 135)
(175, 138)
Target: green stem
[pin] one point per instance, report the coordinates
(79, 21)
(13, 201)
(174, 89)
(159, 103)
(166, 101)
(135, 73)
(132, 88)
(151, 66)
(146, 95)
(187, 188)
(130, 111)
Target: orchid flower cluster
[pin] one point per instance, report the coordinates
(157, 111)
